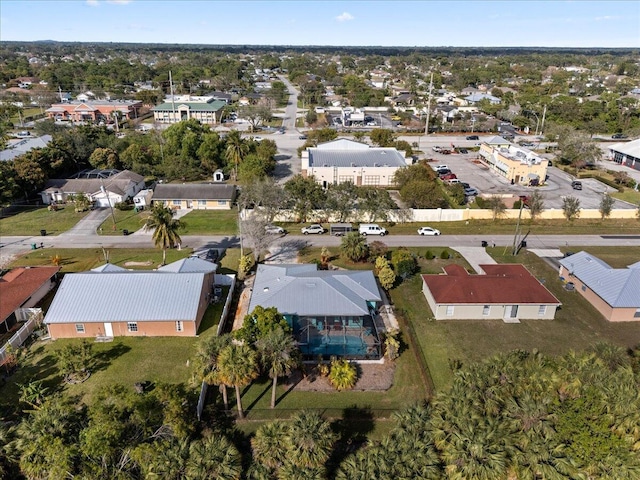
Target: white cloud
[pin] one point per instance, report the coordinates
(119, 2)
(92, 3)
(608, 17)
(344, 17)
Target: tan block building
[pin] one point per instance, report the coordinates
(505, 292)
(111, 301)
(196, 196)
(614, 292)
(518, 165)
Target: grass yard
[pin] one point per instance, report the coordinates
(210, 222)
(32, 221)
(81, 260)
(628, 195)
(577, 324)
(125, 220)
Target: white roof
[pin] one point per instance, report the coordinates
(190, 265)
(619, 287)
(126, 297)
(108, 267)
(302, 289)
(631, 148)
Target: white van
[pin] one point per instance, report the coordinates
(372, 229)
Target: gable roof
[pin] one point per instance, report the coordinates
(190, 264)
(17, 285)
(497, 140)
(213, 106)
(109, 267)
(619, 287)
(194, 191)
(127, 296)
(117, 183)
(631, 148)
(342, 144)
(302, 289)
(501, 284)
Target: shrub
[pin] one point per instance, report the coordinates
(377, 249)
(445, 254)
(404, 263)
(343, 375)
(387, 277)
(124, 206)
(429, 255)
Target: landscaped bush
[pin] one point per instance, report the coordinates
(429, 255)
(404, 263)
(445, 254)
(124, 206)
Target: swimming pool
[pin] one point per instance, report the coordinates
(335, 345)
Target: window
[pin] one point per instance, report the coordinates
(132, 326)
(345, 179)
(485, 310)
(79, 327)
(179, 327)
(371, 180)
(202, 203)
(542, 309)
(176, 202)
(584, 288)
(222, 202)
(449, 310)
(637, 314)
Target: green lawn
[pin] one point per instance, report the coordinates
(210, 222)
(32, 221)
(125, 220)
(628, 195)
(577, 324)
(81, 260)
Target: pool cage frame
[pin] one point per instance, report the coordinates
(333, 331)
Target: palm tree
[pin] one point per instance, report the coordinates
(279, 354)
(165, 228)
(268, 444)
(238, 365)
(310, 440)
(354, 246)
(213, 457)
(206, 363)
(343, 375)
(236, 150)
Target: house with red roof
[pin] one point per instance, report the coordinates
(23, 287)
(507, 292)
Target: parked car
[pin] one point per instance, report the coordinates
(274, 229)
(436, 148)
(315, 228)
(470, 192)
(473, 137)
(441, 167)
(453, 181)
(465, 185)
(448, 177)
(463, 150)
(576, 185)
(428, 231)
(372, 229)
(302, 137)
(618, 136)
(444, 171)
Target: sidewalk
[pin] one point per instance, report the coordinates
(475, 256)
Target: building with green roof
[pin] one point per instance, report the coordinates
(204, 109)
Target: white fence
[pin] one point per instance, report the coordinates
(34, 318)
(201, 399)
(227, 280)
(445, 215)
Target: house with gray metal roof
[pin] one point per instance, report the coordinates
(614, 292)
(626, 153)
(111, 301)
(345, 160)
(330, 312)
(197, 196)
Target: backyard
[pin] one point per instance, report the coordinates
(29, 223)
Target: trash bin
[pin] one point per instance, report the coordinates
(43, 233)
(523, 244)
(125, 232)
(33, 246)
(484, 243)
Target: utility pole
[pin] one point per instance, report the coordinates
(426, 127)
(544, 114)
(173, 102)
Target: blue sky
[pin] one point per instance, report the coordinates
(307, 22)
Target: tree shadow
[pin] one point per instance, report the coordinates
(102, 360)
(286, 248)
(292, 381)
(352, 430)
(257, 399)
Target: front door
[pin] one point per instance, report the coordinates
(189, 204)
(511, 311)
(108, 330)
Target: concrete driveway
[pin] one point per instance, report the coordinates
(89, 224)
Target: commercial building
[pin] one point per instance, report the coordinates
(518, 165)
(94, 110)
(206, 110)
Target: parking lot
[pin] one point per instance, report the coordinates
(468, 169)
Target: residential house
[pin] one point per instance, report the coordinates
(94, 110)
(197, 196)
(330, 312)
(102, 187)
(110, 301)
(479, 96)
(21, 146)
(626, 153)
(343, 160)
(517, 164)
(506, 292)
(22, 288)
(205, 109)
(614, 292)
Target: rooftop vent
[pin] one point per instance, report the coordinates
(265, 289)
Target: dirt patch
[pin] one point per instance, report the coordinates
(139, 264)
(371, 377)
